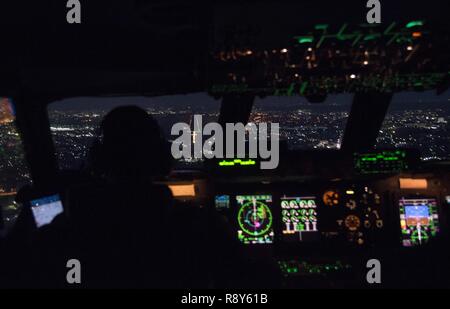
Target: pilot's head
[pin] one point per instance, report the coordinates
(131, 147)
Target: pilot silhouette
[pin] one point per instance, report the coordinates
(130, 146)
(118, 218)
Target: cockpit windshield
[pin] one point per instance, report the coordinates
(418, 120)
(414, 120)
(305, 125)
(74, 122)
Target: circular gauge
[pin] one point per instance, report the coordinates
(351, 204)
(255, 218)
(379, 223)
(311, 203)
(331, 198)
(352, 222)
(285, 204)
(293, 204)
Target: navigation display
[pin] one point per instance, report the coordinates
(419, 221)
(299, 219)
(255, 219)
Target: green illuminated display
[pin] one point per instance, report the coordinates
(255, 219)
(237, 162)
(381, 162)
(299, 218)
(302, 268)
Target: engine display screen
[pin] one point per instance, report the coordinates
(299, 219)
(255, 219)
(419, 221)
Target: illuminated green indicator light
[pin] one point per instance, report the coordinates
(369, 159)
(236, 162)
(370, 37)
(305, 39)
(414, 23)
(391, 159)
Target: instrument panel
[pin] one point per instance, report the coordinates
(333, 214)
(323, 228)
(351, 215)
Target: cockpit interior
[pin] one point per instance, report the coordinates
(363, 109)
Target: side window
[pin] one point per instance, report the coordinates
(14, 170)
